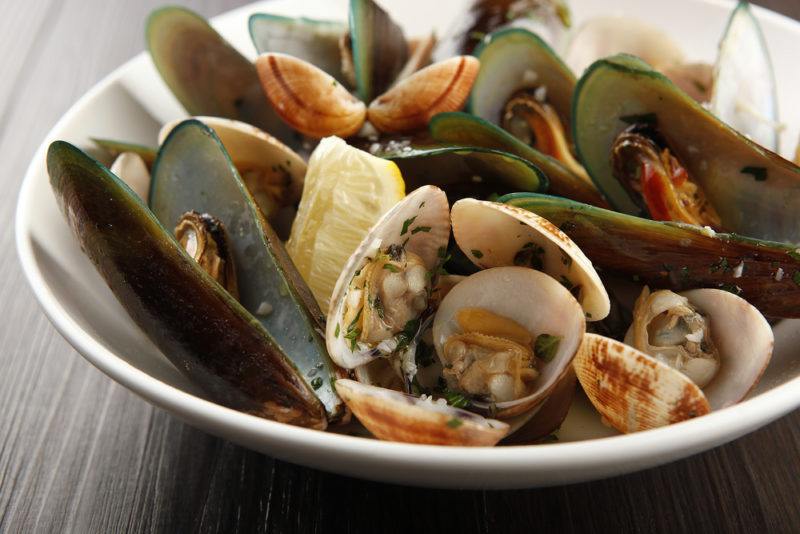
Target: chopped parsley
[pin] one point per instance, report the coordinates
(336, 333)
(353, 331)
(722, 265)
(406, 224)
(759, 173)
(455, 422)
(442, 252)
(316, 383)
(796, 277)
(546, 346)
(391, 267)
(794, 254)
(456, 399)
(530, 256)
(477, 253)
(377, 304)
(420, 229)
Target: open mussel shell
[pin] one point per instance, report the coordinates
(378, 46)
(419, 224)
(533, 300)
(394, 416)
(468, 130)
(410, 104)
(203, 331)
(194, 172)
(314, 41)
(307, 98)
(132, 169)
(754, 191)
(464, 171)
(272, 172)
(633, 391)
(115, 147)
(514, 59)
(677, 256)
(744, 93)
(497, 235)
(743, 338)
(206, 74)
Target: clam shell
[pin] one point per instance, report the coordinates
(545, 419)
(425, 207)
(497, 232)
(132, 169)
(438, 88)
(394, 416)
(532, 299)
(744, 340)
(307, 98)
(633, 391)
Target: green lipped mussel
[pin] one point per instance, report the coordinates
(204, 331)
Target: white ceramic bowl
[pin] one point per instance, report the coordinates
(132, 102)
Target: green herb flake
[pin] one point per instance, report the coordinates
(456, 399)
(477, 253)
(406, 224)
(391, 267)
(455, 422)
(794, 254)
(721, 265)
(442, 252)
(796, 277)
(336, 333)
(758, 173)
(316, 383)
(420, 229)
(546, 346)
(422, 204)
(642, 118)
(530, 256)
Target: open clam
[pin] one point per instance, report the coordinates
(272, 172)
(677, 256)
(505, 337)
(694, 168)
(270, 288)
(132, 169)
(385, 286)
(196, 323)
(496, 235)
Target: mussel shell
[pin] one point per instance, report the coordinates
(514, 59)
(493, 235)
(394, 416)
(206, 74)
(203, 331)
(633, 391)
(315, 41)
(466, 171)
(194, 172)
(677, 256)
(467, 130)
(744, 93)
(754, 191)
(530, 298)
(379, 48)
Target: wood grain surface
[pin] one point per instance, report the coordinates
(79, 453)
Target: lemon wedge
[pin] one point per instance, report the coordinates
(346, 191)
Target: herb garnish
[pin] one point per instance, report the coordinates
(546, 346)
(442, 252)
(406, 224)
(530, 256)
(377, 304)
(477, 253)
(796, 277)
(456, 399)
(455, 422)
(391, 267)
(405, 337)
(420, 229)
(759, 173)
(353, 331)
(316, 383)
(722, 264)
(336, 333)
(794, 254)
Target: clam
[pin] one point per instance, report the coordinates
(313, 41)
(468, 130)
(410, 104)
(718, 340)
(205, 73)
(194, 172)
(395, 416)
(193, 320)
(115, 148)
(628, 116)
(309, 100)
(462, 170)
(744, 92)
(497, 235)
(677, 256)
(540, 424)
(132, 169)
(385, 286)
(272, 172)
(633, 391)
(505, 337)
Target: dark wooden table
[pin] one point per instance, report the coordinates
(79, 453)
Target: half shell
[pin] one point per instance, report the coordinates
(496, 235)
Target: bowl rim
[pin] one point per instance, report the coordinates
(692, 435)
